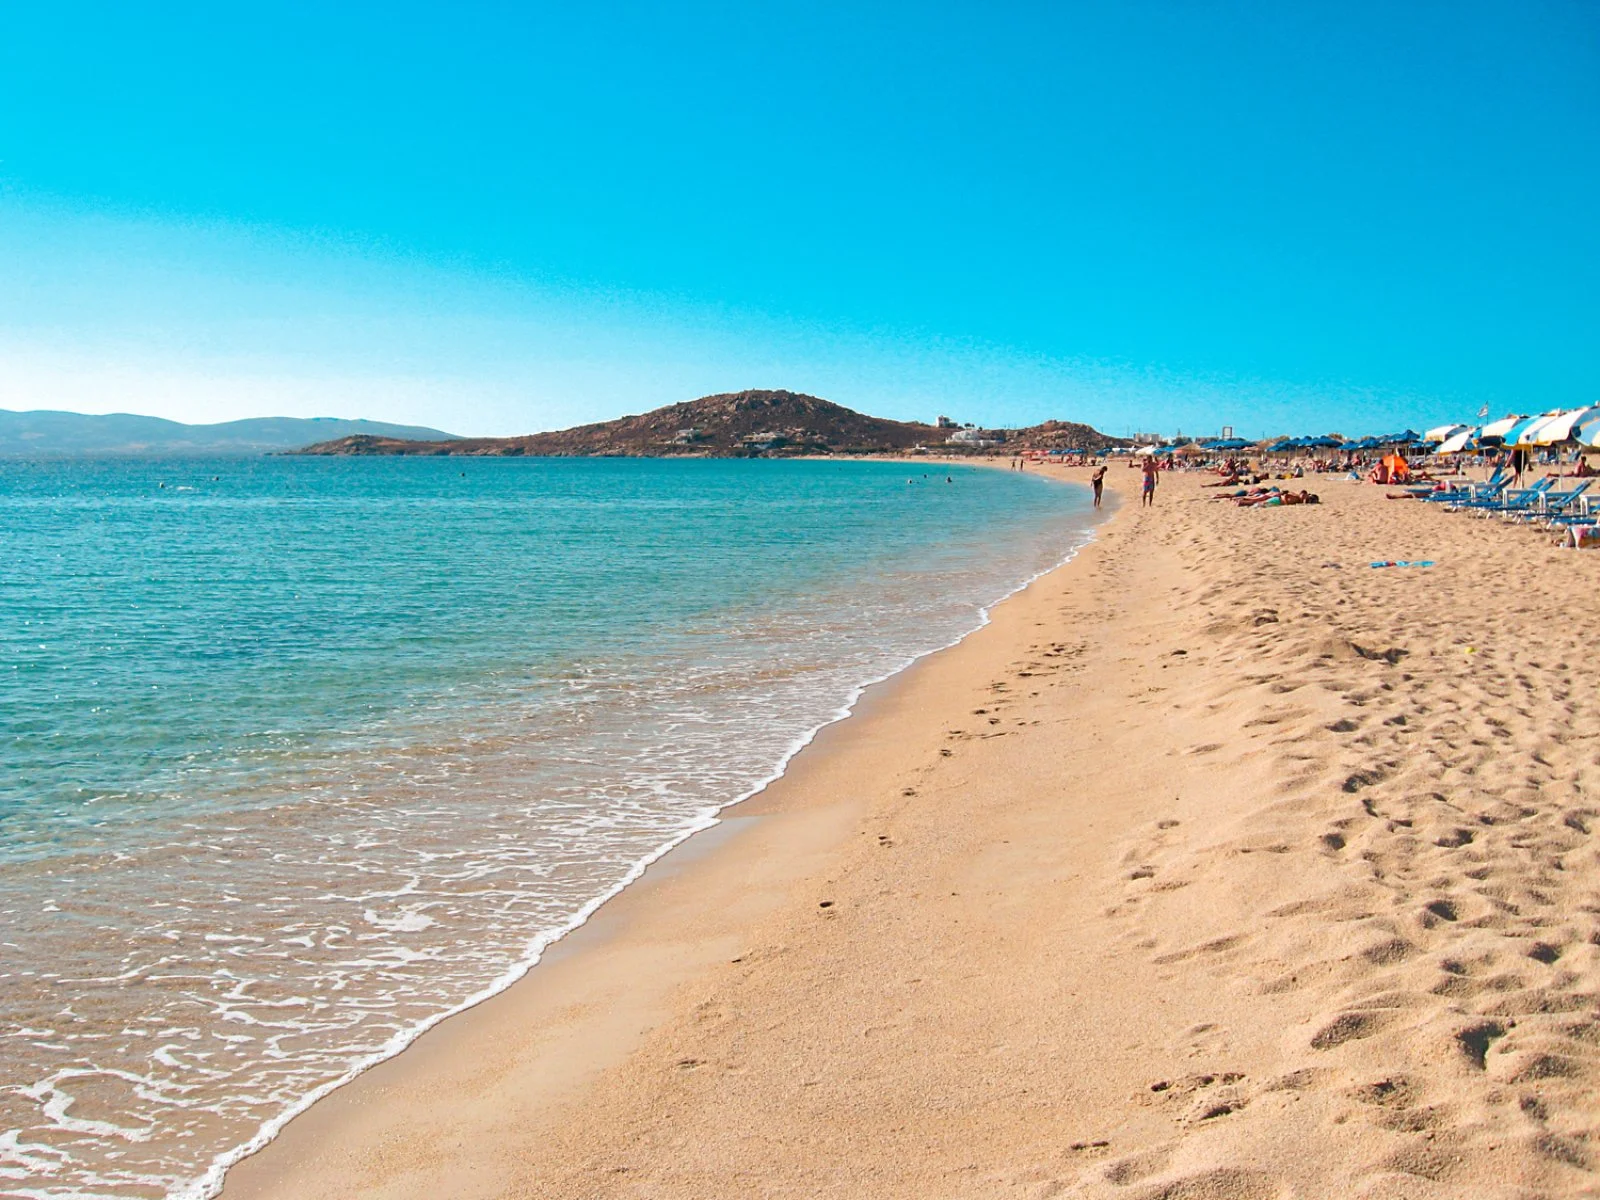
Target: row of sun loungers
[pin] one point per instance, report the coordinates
(1539, 505)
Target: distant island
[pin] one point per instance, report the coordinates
(732, 425)
(64, 434)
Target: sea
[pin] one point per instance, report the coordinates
(299, 756)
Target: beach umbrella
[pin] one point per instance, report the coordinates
(1146, 450)
(1441, 433)
(1527, 433)
(1555, 428)
(1495, 431)
(1466, 439)
(1510, 436)
(1586, 432)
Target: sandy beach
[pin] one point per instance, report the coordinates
(1219, 865)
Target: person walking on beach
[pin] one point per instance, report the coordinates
(1098, 482)
(1147, 498)
(1519, 464)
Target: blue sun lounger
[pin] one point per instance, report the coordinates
(1556, 507)
(1521, 500)
(1492, 486)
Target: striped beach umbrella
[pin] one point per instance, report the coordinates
(1443, 433)
(1506, 432)
(1586, 432)
(1557, 428)
(1546, 430)
(1495, 431)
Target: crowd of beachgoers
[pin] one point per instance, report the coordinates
(1533, 471)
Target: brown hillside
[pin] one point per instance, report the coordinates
(723, 426)
(1060, 435)
(731, 424)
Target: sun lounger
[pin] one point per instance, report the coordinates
(1467, 490)
(1473, 493)
(1554, 504)
(1520, 500)
(1569, 508)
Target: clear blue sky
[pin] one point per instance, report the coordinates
(502, 218)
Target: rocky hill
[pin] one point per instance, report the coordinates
(727, 425)
(1058, 435)
(722, 426)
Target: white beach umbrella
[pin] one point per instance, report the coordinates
(1147, 449)
(1498, 429)
(1457, 442)
(1440, 433)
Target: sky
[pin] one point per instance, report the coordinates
(495, 219)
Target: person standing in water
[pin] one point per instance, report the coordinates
(1098, 482)
(1147, 498)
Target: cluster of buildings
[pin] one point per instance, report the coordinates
(766, 440)
(970, 435)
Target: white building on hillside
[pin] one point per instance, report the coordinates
(977, 437)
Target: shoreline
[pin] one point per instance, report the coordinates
(1218, 865)
(714, 828)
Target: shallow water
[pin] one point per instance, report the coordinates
(301, 754)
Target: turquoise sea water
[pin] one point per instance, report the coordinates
(298, 755)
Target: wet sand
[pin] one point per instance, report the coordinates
(1219, 865)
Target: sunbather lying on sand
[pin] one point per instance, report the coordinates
(1278, 499)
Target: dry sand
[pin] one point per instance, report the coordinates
(1219, 866)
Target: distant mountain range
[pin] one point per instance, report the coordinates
(728, 425)
(57, 434)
